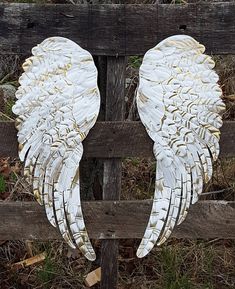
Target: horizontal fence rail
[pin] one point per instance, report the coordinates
(117, 29)
(117, 219)
(115, 139)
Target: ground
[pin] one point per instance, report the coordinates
(178, 264)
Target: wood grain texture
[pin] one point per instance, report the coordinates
(117, 29)
(115, 139)
(117, 220)
(114, 111)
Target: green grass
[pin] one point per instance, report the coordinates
(135, 61)
(173, 275)
(208, 260)
(8, 107)
(2, 184)
(14, 177)
(47, 273)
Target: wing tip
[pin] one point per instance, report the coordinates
(144, 248)
(141, 253)
(91, 256)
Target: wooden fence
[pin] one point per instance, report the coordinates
(114, 32)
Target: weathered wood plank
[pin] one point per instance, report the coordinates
(115, 110)
(117, 29)
(115, 139)
(117, 220)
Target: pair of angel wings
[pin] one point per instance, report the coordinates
(58, 102)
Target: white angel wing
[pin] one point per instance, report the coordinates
(179, 103)
(58, 103)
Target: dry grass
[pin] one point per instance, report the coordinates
(61, 268)
(225, 66)
(179, 264)
(138, 178)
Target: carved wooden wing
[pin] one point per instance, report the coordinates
(58, 103)
(179, 103)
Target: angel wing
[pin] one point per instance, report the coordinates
(58, 103)
(178, 100)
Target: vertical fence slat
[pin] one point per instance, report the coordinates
(115, 110)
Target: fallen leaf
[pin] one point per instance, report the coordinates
(5, 168)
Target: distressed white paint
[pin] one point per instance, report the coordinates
(179, 103)
(58, 103)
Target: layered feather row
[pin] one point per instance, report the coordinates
(58, 103)
(179, 103)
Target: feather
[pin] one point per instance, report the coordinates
(179, 103)
(57, 104)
